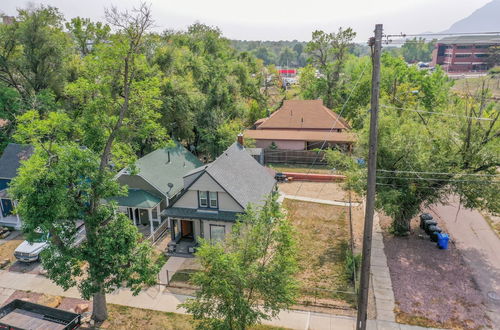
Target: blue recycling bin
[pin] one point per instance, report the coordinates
(442, 240)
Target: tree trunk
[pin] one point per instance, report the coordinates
(401, 226)
(100, 309)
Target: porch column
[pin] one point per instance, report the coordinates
(18, 223)
(133, 215)
(172, 228)
(158, 213)
(150, 215)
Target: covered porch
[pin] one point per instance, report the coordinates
(143, 208)
(7, 217)
(188, 225)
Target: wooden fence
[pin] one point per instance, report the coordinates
(307, 157)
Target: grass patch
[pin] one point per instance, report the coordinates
(323, 232)
(124, 317)
(183, 275)
(473, 85)
(422, 321)
(317, 169)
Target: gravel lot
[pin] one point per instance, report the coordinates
(432, 287)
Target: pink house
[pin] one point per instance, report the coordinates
(302, 125)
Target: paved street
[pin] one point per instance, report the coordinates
(480, 247)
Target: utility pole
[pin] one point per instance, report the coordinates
(376, 44)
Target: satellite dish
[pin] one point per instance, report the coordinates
(170, 185)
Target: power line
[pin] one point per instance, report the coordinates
(439, 173)
(436, 179)
(436, 113)
(404, 35)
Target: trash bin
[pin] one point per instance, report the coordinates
(443, 240)
(428, 223)
(434, 230)
(423, 217)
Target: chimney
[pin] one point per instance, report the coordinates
(240, 140)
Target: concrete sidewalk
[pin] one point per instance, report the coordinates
(169, 269)
(160, 299)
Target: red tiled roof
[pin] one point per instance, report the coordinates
(299, 135)
(304, 114)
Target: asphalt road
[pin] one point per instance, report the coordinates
(480, 247)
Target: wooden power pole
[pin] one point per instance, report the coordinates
(376, 44)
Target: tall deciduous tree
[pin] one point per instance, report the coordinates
(114, 114)
(250, 276)
(424, 157)
(87, 34)
(328, 52)
(33, 50)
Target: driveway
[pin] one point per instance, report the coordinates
(480, 247)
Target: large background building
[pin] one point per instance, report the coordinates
(464, 53)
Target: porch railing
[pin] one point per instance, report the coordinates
(159, 232)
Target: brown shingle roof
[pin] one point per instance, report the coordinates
(299, 135)
(304, 114)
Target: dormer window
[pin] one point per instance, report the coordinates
(208, 199)
(203, 198)
(213, 200)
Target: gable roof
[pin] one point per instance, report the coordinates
(167, 165)
(241, 176)
(303, 114)
(11, 159)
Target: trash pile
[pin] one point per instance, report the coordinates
(435, 232)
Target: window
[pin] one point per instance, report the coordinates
(482, 55)
(482, 46)
(208, 199)
(462, 55)
(203, 199)
(464, 47)
(217, 233)
(213, 199)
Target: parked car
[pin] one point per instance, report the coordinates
(29, 252)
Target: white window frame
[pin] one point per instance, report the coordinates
(200, 198)
(212, 197)
(217, 239)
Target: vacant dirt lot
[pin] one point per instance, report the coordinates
(322, 190)
(323, 232)
(432, 287)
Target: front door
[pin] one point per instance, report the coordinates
(187, 229)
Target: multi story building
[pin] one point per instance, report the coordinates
(464, 53)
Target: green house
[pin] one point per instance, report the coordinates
(156, 182)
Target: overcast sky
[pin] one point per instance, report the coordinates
(281, 20)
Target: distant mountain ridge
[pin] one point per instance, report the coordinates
(484, 19)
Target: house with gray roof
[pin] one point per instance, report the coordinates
(10, 161)
(213, 197)
(155, 182)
